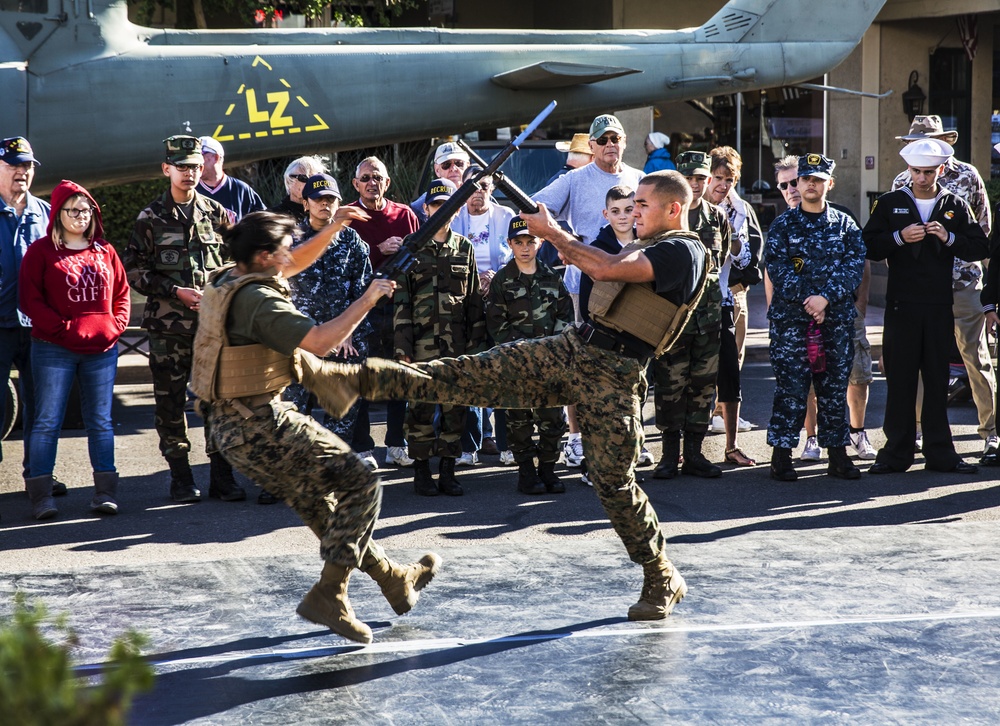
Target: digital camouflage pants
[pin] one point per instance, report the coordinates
(560, 370)
(299, 461)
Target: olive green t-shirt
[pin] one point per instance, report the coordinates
(261, 314)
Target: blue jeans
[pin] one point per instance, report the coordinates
(53, 369)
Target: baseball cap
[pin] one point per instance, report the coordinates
(604, 123)
(16, 150)
(518, 228)
(449, 150)
(321, 185)
(211, 146)
(816, 165)
(924, 153)
(690, 162)
(183, 150)
(439, 190)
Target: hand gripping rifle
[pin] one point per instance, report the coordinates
(404, 259)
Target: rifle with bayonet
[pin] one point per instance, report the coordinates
(513, 192)
(404, 259)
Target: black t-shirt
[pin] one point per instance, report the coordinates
(677, 263)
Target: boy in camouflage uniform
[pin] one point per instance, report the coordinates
(684, 377)
(438, 313)
(527, 299)
(174, 245)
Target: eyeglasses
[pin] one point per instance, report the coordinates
(365, 178)
(185, 168)
(299, 178)
(457, 163)
(484, 186)
(604, 140)
(784, 185)
(75, 213)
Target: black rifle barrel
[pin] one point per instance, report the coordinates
(513, 192)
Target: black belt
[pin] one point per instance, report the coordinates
(605, 340)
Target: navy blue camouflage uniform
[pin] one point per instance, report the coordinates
(325, 290)
(811, 254)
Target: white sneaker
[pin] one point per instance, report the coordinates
(573, 453)
(369, 458)
(397, 455)
(992, 448)
(918, 444)
(584, 479)
(645, 458)
(718, 426)
(811, 451)
(507, 458)
(468, 458)
(862, 446)
(742, 425)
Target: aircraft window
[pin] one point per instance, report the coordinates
(24, 6)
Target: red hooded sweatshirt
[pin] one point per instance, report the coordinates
(78, 299)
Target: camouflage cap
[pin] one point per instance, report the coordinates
(183, 150)
(691, 162)
(928, 127)
(816, 165)
(16, 151)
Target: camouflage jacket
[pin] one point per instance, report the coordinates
(711, 226)
(964, 181)
(438, 308)
(167, 251)
(527, 306)
(326, 288)
(813, 256)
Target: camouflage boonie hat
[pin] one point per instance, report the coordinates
(816, 165)
(691, 161)
(184, 150)
(928, 127)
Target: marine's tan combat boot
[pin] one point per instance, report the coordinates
(662, 588)
(326, 604)
(335, 385)
(401, 584)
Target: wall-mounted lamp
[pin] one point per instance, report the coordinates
(913, 98)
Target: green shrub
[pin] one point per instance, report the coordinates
(121, 204)
(38, 686)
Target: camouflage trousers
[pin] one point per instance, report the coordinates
(305, 401)
(793, 376)
(421, 439)
(299, 461)
(521, 424)
(556, 371)
(170, 359)
(684, 383)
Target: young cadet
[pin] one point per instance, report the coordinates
(438, 314)
(527, 299)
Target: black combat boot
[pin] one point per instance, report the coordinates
(695, 463)
(423, 480)
(840, 464)
(527, 478)
(547, 473)
(447, 483)
(781, 465)
(182, 487)
(222, 485)
(667, 468)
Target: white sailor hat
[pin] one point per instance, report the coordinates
(926, 153)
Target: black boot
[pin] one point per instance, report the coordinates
(695, 463)
(527, 478)
(182, 487)
(667, 468)
(222, 484)
(547, 473)
(781, 465)
(447, 483)
(423, 480)
(841, 465)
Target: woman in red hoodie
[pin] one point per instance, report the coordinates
(72, 285)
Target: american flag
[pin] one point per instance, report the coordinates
(969, 34)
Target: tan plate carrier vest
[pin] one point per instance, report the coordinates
(636, 309)
(222, 372)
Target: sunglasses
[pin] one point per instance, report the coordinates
(365, 178)
(457, 163)
(77, 213)
(794, 183)
(604, 140)
(299, 178)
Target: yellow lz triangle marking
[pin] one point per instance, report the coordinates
(270, 108)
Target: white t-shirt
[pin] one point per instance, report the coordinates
(479, 236)
(925, 207)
